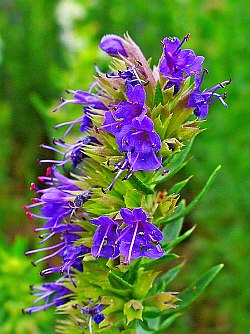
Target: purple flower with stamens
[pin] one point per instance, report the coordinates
(71, 254)
(113, 45)
(141, 145)
(202, 100)
(53, 294)
(119, 121)
(176, 64)
(89, 102)
(105, 237)
(74, 153)
(130, 75)
(93, 312)
(139, 238)
(56, 200)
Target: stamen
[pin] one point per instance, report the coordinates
(185, 39)
(103, 240)
(123, 167)
(132, 243)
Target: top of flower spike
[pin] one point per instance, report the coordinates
(178, 64)
(113, 45)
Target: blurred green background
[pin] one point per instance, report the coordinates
(47, 46)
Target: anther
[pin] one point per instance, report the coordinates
(187, 37)
(29, 215)
(96, 129)
(165, 172)
(32, 186)
(103, 190)
(40, 179)
(48, 171)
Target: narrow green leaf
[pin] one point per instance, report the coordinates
(168, 322)
(169, 245)
(158, 98)
(196, 288)
(144, 326)
(172, 231)
(140, 186)
(197, 199)
(178, 186)
(176, 163)
(131, 274)
(162, 259)
(163, 281)
(133, 198)
(117, 282)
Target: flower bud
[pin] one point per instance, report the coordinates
(112, 45)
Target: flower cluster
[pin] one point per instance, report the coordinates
(134, 131)
(139, 237)
(132, 119)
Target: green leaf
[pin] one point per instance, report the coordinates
(197, 198)
(144, 283)
(131, 274)
(144, 325)
(158, 98)
(179, 186)
(169, 245)
(162, 259)
(163, 281)
(172, 231)
(132, 199)
(196, 288)
(174, 164)
(117, 282)
(168, 322)
(140, 186)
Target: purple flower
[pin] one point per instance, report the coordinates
(201, 100)
(55, 201)
(130, 76)
(105, 237)
(119, 121)
(71, 255)
(89, 101)
(139, 238)
(53, 294)
(178, 64)
(113, 45)
(93, 312)
(74, 153)
(141, 145)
